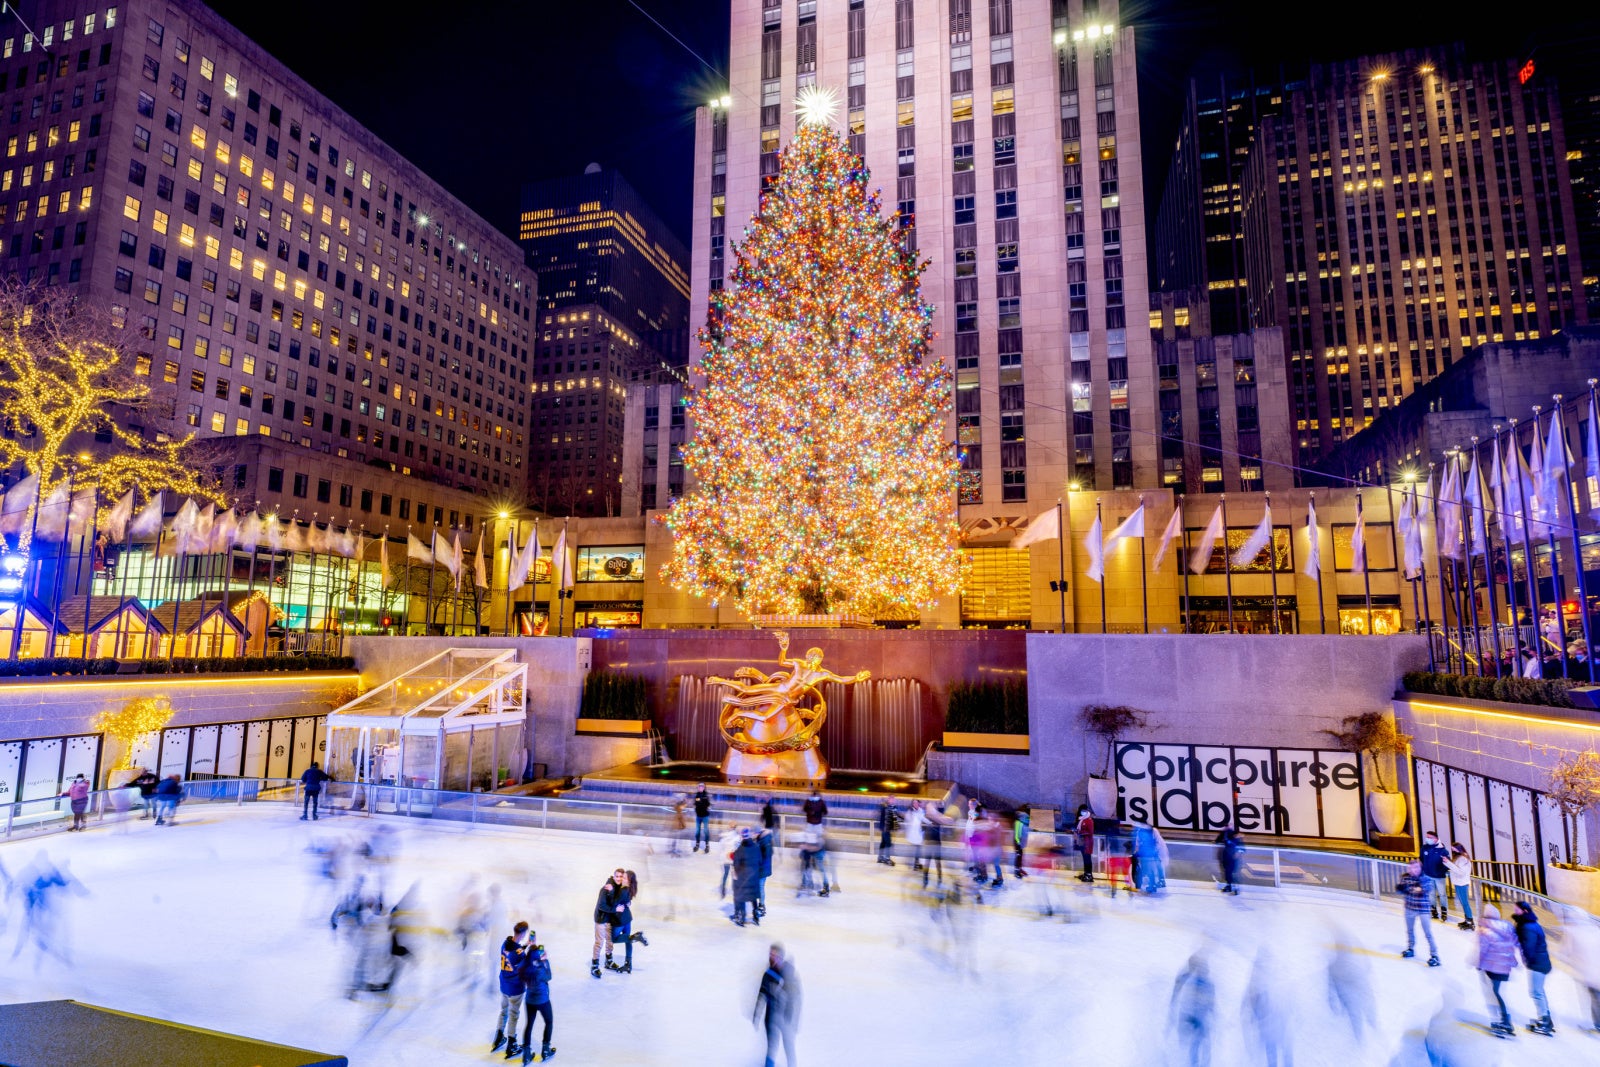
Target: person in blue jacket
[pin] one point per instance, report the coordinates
(765, 842)
(1536, 955)
(513, 957)
(312, 779)
(536, 975)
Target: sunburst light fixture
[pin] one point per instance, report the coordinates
(817, 106)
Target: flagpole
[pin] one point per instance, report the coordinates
(1144, 583)
(1366, 571)
(250, 587)
(433, 561)
(1528, 571)
(311, 575)
(561, 583)
(176, 589)
(1061, 560)
(1555, 560)
(1227, 559)
(1422, 571)
(1272, 566)
(1444, 595)
(1183, 565)
(511, 549)
(1102, 582)
(59, 579)
(1488, 568)
(1322, 606)
(272, 574)
(1472, 591)
(1577, 547)
(1394, 532)
(1511, 570)
(122, 593)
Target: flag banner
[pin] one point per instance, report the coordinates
(1256, 542)
(1556, 462)
(1132, 526)
(455, 571)
(1477, 528)
(200, 539)
(1045, 526)
(273, 528)
(1411, 534)
(148, 522)
(1537, 500)
(1527, 492)
(117, 519)
(85, 502)
(224, 531)
(416, 550)
(1313, 566)
(1095, 547)
(479, 578)
(18, 499)
(50, 522)
(561, 567)
(295, 539)
(248, 535)
(446, 557)
(1200, 559)
(1447, 525)
(525, 560)
(183, 525)
(1358, 542)
(1497, 488)
(1591, 461)
(1174, 527)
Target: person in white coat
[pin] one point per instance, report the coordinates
(1459, 866)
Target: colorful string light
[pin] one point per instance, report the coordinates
(825, 477)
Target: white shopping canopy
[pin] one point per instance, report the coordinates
(451, 722)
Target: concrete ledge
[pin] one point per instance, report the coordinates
(958, 741)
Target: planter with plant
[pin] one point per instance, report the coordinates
(988, 715)
(1375, 735)
(614, 702)
(1108, 722)
(1575, 789)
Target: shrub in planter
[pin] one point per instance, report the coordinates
(988, 707)
(1546, 692)
(615, 695)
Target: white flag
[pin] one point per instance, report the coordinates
(383, 561)
(1044, 527)
(50, 522)
(248, 535)
(1132, 526)
(1256, 542)
(117, 518)
(1497, 489)
(478, 577)
(1556, 462)
(1200, 559)
(1358, 542)
(1174, 527)
(85, 503)
(148, 521)
(1313, 567)
(1591, 462)
(295, 538)
(1527, 493)
(224, 530)
(561, 573)
(1473, 495)
(19, 498)
(1408, 529)
(1447, 511)
(443, 555)
(1093, 544)
(274, 531)
(183, 526)
(459, 559)
(525, 559)
(416, 550)
(200, 539)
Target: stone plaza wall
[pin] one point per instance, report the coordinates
(1228, 690)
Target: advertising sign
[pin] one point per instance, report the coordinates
(1288, 792)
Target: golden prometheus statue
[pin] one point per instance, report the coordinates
(772, 722)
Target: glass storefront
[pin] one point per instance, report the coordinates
(611, 563)
(997, 589)
(1251, 614)
(1282, 548)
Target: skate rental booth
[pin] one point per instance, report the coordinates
(454, 722)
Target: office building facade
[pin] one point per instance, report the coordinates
(1006, 134)
(1401, 210)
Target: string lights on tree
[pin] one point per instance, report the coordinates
(825, 479)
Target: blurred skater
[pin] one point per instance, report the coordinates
(746, 877)
(726, 844)
(916, 821)
(536, 977)
(146, 783)
(77, 794)
(678, 825)
(766, 845)
(43, 888)
(1459, 869)
(1497, 958)
(888, 819)
(1194, 1001)
(1083, 829)
(1350, 986)
(1269, 1011)
(1583, 954)
(168, 795)
(1413, 887)
(1019, 842)
(1230, 845)
(513, 955)
(312, 780)
(702, 819)
(1536, 957)
(778, 999)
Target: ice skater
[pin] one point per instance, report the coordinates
(1536, 957)
(766, 844)
(678, 825)
(778, 1005)
(168, 795)
(312, 780)
(1083, 830)
(77, 794)
(746, 862)
(702, 820)
(513, 957)
(622, 931)
(1583, 954)
(1230, 845)
(1435, 868)
(1193, 1003)
(888, 819)
(609, 908)
(1350, 986)
(536, 977)
(1269, 1010)
(146, 783)
(1459, 867)
(1020, 826)
(43, 888)
(726, 844)
(1497, 958)
(1415, 891)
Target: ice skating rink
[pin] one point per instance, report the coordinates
(222, 922)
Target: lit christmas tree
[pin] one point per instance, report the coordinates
(826, 480)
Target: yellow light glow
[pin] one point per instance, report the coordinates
(176, 680)
(1514, 716)
(816, 105)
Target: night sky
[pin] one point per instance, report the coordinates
(492, 94)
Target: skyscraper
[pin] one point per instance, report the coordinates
(1400, 210)
(1007, 137)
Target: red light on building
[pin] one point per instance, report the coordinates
(1569, 607)
(1525, 73)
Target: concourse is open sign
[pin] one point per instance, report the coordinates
(1292, 792)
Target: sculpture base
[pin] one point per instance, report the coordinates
(803, 768)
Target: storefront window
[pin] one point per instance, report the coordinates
(1380, 546)
(607, 616)
(1384, 620)
(997, 587)
(1237, 536)
(611, 563)
(1251, 614)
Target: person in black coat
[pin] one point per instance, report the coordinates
(1536, 955)
(746, 877)
(816, 808)
(609, 908)
(766, 841)
(1229, 846)
(888, 819)
(147, 782)
(536, 980)
(312, 779)
(702, 820)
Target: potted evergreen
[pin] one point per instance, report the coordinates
(125, 726)
(1375, 735)
(614, 703)
(987, 715)
(1108, 721)
(1575, 789)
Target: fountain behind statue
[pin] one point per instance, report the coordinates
(773, 722)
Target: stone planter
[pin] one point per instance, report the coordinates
(1004, 742)
(628, 727)
(1387, 812)
(1103, 797)
(1580, 888)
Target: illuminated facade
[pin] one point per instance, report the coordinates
(1400, 211)
(1009, 134)
(279, 271)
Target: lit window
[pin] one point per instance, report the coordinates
(186, 235)
(208, 69)
(258, 269)
(241, 427)
(73, 129)
(247, 166)
(86, 198)
(219, 422)
(235, 259)
(130, 204)
(197, 137)
(213, 246)
(230, 85)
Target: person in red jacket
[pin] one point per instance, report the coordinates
(1084, 830)
(78, 794)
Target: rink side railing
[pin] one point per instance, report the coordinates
(1188, 861)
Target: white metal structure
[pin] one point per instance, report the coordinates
(454, 721)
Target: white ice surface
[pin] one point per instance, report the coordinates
(220, 922)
